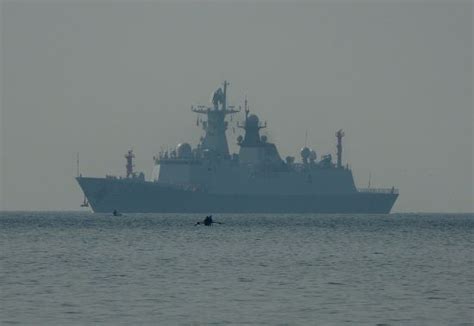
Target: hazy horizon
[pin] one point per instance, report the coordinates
(99, 78)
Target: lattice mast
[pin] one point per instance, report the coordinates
(129, 166)
(339, 135)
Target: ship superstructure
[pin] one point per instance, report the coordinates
(208, 178)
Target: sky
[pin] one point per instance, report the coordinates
(101, 77)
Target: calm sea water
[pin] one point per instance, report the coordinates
(84, 268)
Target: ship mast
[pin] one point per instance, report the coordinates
(77, 164)
(224, 100)
(252, 128)
(215, 127)
(339, 135)
(129, 166)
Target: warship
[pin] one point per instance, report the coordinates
(210, 179)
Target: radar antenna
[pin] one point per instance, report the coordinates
(218, 97)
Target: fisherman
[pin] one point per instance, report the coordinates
(208, 221)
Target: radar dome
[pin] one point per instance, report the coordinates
(312, 156)
(252, 121)
(184, 150)
(305, 153)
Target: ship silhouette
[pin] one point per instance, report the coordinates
(208, 178)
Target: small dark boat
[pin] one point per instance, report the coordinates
(116, 213)
(208, 221)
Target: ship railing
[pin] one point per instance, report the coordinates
(186, 187)
(178, 160)
(379, 190)
(300, 167)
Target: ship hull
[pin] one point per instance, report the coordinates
(130, 196)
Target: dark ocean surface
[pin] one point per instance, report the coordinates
(82, 268)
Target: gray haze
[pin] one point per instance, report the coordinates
(98, 78)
